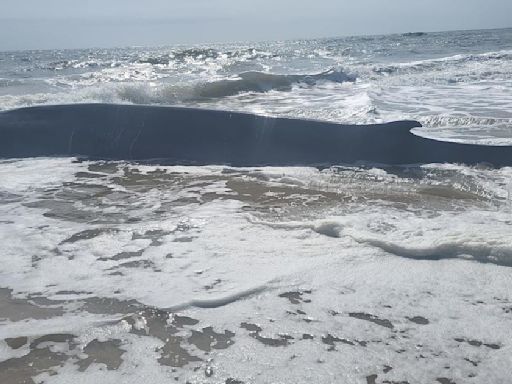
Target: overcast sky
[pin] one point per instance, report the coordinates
(35, 24)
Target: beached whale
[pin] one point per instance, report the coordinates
(175, 135)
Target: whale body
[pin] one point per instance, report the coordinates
(179, 135)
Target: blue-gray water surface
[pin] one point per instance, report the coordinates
(457, 84)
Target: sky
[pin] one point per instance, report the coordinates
(56, 24)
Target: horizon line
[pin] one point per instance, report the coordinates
(256, 41)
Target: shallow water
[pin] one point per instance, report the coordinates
(119, 272)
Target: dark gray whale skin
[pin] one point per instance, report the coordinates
(175, 135)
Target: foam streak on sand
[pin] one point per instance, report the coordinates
(218, 301)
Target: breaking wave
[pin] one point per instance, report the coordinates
(142, 92)
(264, 82)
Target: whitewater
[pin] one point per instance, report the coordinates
(123, 272)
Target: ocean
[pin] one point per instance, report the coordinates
(123, 272)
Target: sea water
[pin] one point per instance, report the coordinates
(118, 272)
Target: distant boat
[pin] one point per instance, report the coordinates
(414, 34)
